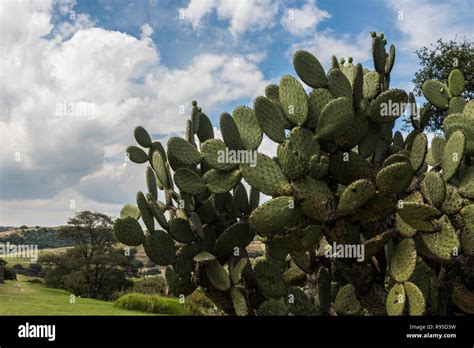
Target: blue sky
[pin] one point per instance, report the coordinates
(142, 62)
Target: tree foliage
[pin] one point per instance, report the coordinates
(436, 62)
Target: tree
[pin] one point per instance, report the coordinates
(96, 266)
(436, 62)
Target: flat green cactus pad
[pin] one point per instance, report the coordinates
(299, 303)
(238, 300)
(269, 119)
(317, 200)
(346, 302)
(235, 236)
(294, 100)
(145, 211)
(379, 55)
(237, 270)
(142, 137)
(161, 169)
(416, 304)
(185, 263)
(270, 279)
(159, 247)
(437, 148)
(272, 92)
(274, 215)
(151, 182)
(157, 212)
(376, 208)
(456, 105)
(466, 186)
(355, 195)
(324, 289)
(395, 158)
(338, 84)
(304, 142)
(189, 181)
(136, 155)
(403, 260)
(456, 82)
(390, 60)
(130, 210)
(128, 231)
(453, 201)
(213, 152)
(318, 98)
(204, 257)
(395, 178)
(437, 93)
(230, 132)
(217, 275)
(273, 308)
(347, 167)
(419, 215)
(453, 154)
(405, 229)
(388, 106)
(266, 177)
(434, 188)
(335, 118)
(205, 130)
(376, 244)
(249, 129)
(221, 182)
(180, 231)
(183, 151)
(396, 300)
(418, 151)
(464, 123)
(443, 244)
(293, 164)
(463, 298)
(467, 213)
(309, 69)
(371, 87)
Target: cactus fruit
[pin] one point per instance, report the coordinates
(342, 177)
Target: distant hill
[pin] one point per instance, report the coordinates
(44, 237)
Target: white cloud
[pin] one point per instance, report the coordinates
(423, 22)
(303, 21)
(146, 31)
(243, 16)
(121, 77)
(326, 44)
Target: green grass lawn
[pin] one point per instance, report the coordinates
(23, 298)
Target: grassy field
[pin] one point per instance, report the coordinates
(24, 298)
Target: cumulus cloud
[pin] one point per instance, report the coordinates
(71, 98)
(423, 22)
(325, 44)
(243, 16)
(303, 21)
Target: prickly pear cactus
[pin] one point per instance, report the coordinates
(360, 220)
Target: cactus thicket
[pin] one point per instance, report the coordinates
(340, 177)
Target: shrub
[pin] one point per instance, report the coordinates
(153, 304)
